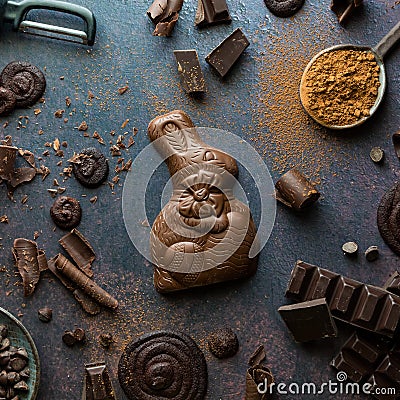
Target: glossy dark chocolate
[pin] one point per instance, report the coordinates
(309, 320)
(97, 383)
(212, 12)
(189, 70)
(226, 54)
(344, 8)
(365, 306)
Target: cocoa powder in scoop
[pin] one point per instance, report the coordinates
(341, 86)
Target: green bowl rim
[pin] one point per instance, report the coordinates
(34, 350)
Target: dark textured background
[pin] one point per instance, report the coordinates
(126, 52)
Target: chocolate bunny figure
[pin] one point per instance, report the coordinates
(203, 235)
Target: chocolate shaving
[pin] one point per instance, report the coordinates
(295, 191)
(97, 383)
(80, 250)
(165, 14)
(30, 262)
(258, 374)
(86, 302)
(28, 156)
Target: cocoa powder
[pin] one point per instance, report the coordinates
(341, 86)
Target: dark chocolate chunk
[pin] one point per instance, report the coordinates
(350, 248)
(171, 365)
(45, 314)
(258, 374)
(212, 12)
(165, 28)
(8, 101)
(165, 14)
(396, 143)
(372, 253)
(22, 175)
(79, 334)
(8, 155)
(106, 340)
(223, 343)
(97, 383)
(225, 55)
(392, 285)
(69, 338)
(309, 320)
(189, 69)
(284, 8)
(25, 80)
(81, 251)
(377, 155)
(66, 212)
(344, 8)
(294, 190)
(90, 168)
(388, 217)
(365, 306)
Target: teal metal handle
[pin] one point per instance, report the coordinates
(16, 13)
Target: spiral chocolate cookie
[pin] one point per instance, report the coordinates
(7, 101)
(66, 212)
(25, 80)
(284, 8)
(389, 218)
(163, 365)
(90, 168)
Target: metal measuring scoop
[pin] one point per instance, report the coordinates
(16, 13)
(379, 52)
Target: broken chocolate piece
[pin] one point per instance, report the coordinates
(350, 248)
(22, 175)
(165, 14)
(258, 374)
(172, 367)
(66, 268)
(106, 340)
(79, 248)
(309, 320)
(372, 253)
(344, 8)
(295, 191)
(377, 155)
(66, 212)
(212, 12)
(392, 285)
(190, 71)
(8, 155)
(225, 55)
(97, 383)
(45, 314)
(8, 101)
(365, 306)
(30, 262)
(223, 343)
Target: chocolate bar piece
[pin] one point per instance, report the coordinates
(309, 320)
(225, 55)
(392, 285)
(212, 12)
(361, 305)
(344, 8)
(165, 14)
(190, 71)
(97, 383)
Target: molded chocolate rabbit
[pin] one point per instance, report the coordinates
(203, 235)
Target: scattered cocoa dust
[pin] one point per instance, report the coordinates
(341, 86)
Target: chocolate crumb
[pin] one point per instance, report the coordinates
(123, 89)
(106, 340)
(59, 113)
(45, 314)
(83, 126)
(69, 338)
(4, 219)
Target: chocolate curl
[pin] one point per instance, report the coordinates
(29, 261)
(165, 14)
(86, 302)
(83, 282)
(258, 374)
(97, 383)
(79, 248)
(295, 191)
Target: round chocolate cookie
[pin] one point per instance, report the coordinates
(223, 343)
(25, 80)
(90, 168)
(66, 212)
(389, 218)
(163, 365)
(7, 101)
(284, 8)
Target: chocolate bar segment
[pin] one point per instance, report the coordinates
(225, 55)
(97, 383)
(190, 71)
(212, 12)
(309, 320)
(361, 305)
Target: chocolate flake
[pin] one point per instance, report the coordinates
(165, 14)
(123, 89)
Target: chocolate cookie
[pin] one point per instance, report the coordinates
(284, 8)
(7, 101)
(223, 343)
(389, 218)
(25, 80)
(163, 365)
(66, 212)
(90, 168)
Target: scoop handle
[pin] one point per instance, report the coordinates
(383, 47)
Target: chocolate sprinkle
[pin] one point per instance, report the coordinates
(66, 212)
(171, 366)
